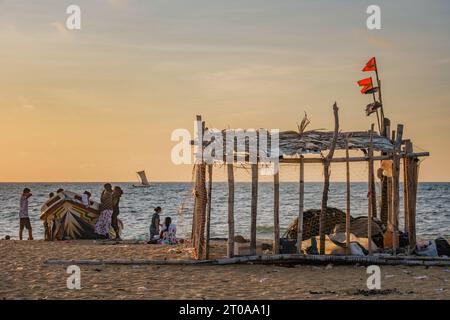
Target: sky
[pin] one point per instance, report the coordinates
(99, 103)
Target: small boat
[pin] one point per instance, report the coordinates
(66, 217)
(144, 180)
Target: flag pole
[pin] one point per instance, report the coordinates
(379, 94)
(376, 110)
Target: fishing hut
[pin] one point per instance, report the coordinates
(299, 147)
(263, 148)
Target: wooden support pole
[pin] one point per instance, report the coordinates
(347, 215)
(371, 184)
(276, 210)
(208, 210)
(413, 180)
(199, 218)
(254, 208)
(301, 206)
(396, 185)
(405, 189)
(326, 185)
(410, 184)
(384, 180)
(230, 210)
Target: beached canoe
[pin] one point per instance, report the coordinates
(65, 217)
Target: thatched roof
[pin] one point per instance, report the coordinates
(292, 143)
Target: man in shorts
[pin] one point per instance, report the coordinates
(23, 214)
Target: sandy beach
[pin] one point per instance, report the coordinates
(25, 276)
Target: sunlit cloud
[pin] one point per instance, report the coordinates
(380, 42)
(59, 27)
(24, 103)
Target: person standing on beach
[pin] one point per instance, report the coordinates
(23, 214)
(117, 193)
(154, 226)
(106, 209)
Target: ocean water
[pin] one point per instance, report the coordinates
(433, 206)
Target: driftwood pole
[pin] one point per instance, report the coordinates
(208, 210)
(411, 180)
(384, 181)
(406, 187)
(254, 208)
(276, 210)
(347, 215)
(396, 182)
(301, 206)
(230, 210)
(370, 205)
(326, 185)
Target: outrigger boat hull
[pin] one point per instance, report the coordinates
(66, 217)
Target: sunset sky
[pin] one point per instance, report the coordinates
(99, 103)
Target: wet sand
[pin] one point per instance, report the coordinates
(25, 276)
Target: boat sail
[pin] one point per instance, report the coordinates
(143, 178)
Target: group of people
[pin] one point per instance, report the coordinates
(109, 211)
(163, 233)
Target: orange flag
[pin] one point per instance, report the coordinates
(366, 84)
(371, 65)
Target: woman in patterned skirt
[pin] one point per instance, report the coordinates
(103, 223)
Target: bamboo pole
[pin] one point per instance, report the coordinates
(208, 210)
(276, 211)
(370, 205)
(254, 208)
(326, 185)
(230, 210)
(301, 206)
(347, 216)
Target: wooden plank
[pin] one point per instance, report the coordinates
(301, 206)
(208, 210)
(254, 208)
(354, 159)
(347, 215)
(276, 211)
(230, 170)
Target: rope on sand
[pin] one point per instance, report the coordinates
(273, 259)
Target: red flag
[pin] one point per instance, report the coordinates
(366, 84)
(371, 65)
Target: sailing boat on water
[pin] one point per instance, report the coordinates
(144, 180)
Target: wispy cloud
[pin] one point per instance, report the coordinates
(380, 42)
(59, 27)
(117, 3)
(24, 103)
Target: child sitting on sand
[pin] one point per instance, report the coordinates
(168, 232)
